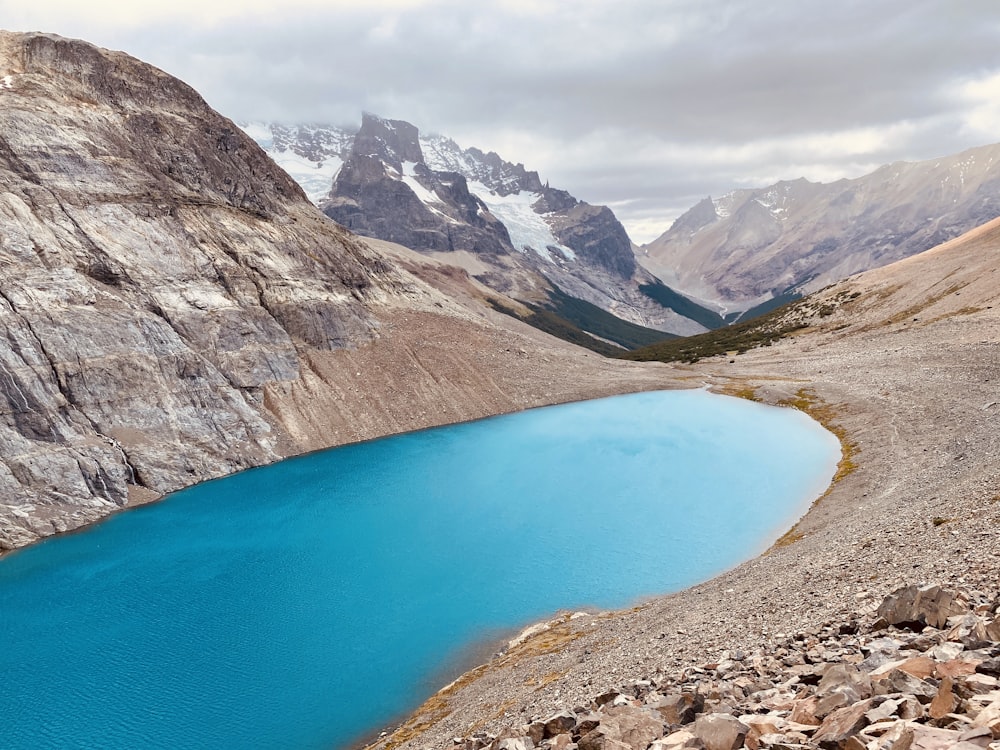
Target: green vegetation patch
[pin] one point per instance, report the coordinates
(582, 323)
(668, 298)
(589, 317)
(739, 337)
(548, 321)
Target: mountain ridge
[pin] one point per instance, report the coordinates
(754, 244)
(172, 308)
(425, 191)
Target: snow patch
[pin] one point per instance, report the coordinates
(6, 82)
(316, 178)
(260, 132)
(409, 177)
(288, 147)
(528, 230)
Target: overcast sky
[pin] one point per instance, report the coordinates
(644, 105)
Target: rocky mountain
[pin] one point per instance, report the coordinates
(514, 232)
(172, 308)
(156, 272)
(752, 245)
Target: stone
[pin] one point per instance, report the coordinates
(989, 667)
(560, 723)
(679, 708)
(562, 742)
(944, 702)
(885, 710)
(956, 668)
(914, 607)
(514, 743)
(804, 711)
(920, 667)
(720, 731)
(898, 681)
(678, 740)
(841, 725)
(989, 718)
(633, 727)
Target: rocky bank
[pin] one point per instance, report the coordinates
(919, 671)
(904, 364)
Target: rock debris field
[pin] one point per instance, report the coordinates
(920, 672)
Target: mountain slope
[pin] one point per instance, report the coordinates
(751, 245)
(529, 240)
(172, 308)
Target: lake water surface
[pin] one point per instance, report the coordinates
(303, 604)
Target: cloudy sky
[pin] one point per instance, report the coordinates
(644, 105)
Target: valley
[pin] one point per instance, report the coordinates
(173, 309)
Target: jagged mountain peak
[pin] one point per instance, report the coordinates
(392, 141)
(390, 181)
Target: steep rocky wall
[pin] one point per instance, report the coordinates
(156, 271)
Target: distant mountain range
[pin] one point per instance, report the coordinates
(511, 230)
(751, 246)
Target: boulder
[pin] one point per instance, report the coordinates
(841, 725)
(720, 731)
(562, 722)
(914, 607)
(634, 728)
(679, 708)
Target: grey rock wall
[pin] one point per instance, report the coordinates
(156, 271)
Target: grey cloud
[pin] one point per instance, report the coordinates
(711, 89)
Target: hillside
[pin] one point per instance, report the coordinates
(798, 236)
(521, 237)
(902, 362)
(172, 308)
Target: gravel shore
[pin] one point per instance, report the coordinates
(913, 391)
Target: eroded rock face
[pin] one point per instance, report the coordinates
(156, 271)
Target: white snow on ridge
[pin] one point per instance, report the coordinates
(316, 178)
(443, 155)
(527, 229)
(409, 177)
(260, 132)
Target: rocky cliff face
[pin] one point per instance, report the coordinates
(428, 193)
(156, 272)
(751, 245)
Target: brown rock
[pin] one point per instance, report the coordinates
(989, 718)
(914, 607)
(841, 725)
(677, 741)
(562, 742)
(898, 681)
(944, 702)
(720, 731)
(679, 708)
(635, 728)
(956, 668)
(759, 726)
(804, 711)
(562, 722)
(920, 667)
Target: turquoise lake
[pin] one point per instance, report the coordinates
(308, 603)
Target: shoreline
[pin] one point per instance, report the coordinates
(892, 518)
